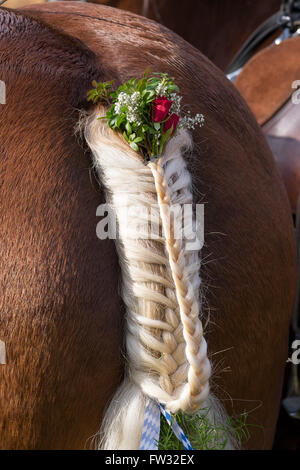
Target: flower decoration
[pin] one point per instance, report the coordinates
(161, 108)
(146, 111)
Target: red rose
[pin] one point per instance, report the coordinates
(172, 121)
(161, 108)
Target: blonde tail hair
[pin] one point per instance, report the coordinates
(165, 347)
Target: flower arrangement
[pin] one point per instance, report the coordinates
(146, 111)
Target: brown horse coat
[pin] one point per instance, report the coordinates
(217, 28)
(60, 312)
(55, 274)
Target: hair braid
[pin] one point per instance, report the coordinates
(165, 346)
(196, 350)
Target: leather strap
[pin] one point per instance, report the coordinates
(288, 16)
(271, 25)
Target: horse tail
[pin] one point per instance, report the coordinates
(166, 350)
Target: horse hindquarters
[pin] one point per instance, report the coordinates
(60, 317)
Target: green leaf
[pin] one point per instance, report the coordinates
(147, 72)
(119, 120)
(157, 126)
(173, 88)
(128, 127)
(168, 133)
(112, 122)
(134, 146)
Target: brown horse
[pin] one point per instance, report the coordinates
(217, 28)
(61, 315)
(235, 22)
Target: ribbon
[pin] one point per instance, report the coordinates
(151, 427)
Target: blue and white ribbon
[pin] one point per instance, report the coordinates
(151, 427)
(177, 430)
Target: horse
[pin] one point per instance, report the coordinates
(217, 29)
(62, 315)
(222, 33)
(239, 27)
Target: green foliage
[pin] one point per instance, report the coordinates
(164, 82)
(131, 111)
(203, 434)
(100, 92)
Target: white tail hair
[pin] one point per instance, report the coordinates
(165, 347)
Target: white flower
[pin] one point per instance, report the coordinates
(176, 106)
(189, 122)
(131, 102)
(161, 90)
(123, 100)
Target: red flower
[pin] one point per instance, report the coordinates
(172, 121)
(161, 108)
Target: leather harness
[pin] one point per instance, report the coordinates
(286, 19)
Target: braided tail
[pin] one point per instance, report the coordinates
(165, 347)
(197, 386)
